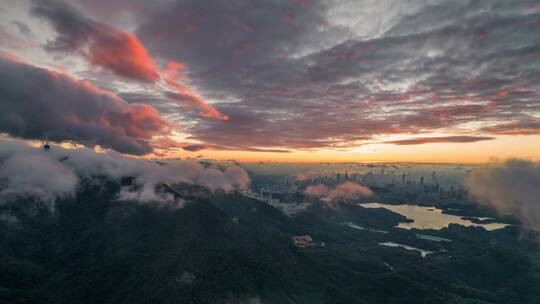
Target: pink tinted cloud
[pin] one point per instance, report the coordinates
(126, 56)
(41, 102)
(526, 127)
(173, 76)
(116, 50)
(122, 53)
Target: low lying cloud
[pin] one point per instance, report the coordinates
(307, 175)
(227, 180)
(29, 171)
(511, 187)
(443, 139)
(148, 194)
(35, 175)
(343, 191)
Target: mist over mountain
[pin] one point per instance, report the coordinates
(345, 191)
(269, 151)
(86, 227)
(48, 175)
(511, 187)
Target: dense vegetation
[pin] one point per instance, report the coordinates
(225, 248)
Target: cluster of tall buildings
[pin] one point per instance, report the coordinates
(432, 187)
(427, 184)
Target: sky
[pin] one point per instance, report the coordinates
(275, 81)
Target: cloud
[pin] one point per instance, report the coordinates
(115, 50)
(219, 39)
(322, 74)
(511, 188)
(429, 67)
(23, 28)
(28, 171)
(444, 139)
(173, 76)
(195, 148)
(252, 149)
(102, 45)
(35, 175)
(345, 191)
(227, 180)
(524, 127)
(307, 175)
(36, 102)
(12, 41)
(147, 194)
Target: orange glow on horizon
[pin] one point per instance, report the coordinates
(526, 147)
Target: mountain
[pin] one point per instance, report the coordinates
(226, 248)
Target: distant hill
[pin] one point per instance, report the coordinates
(226, 248)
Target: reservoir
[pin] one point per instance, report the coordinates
(423, 253)
(429, 217)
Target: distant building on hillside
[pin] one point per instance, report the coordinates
(46, 146)
(304, 241)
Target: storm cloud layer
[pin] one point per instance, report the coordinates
(303, 75)
(512, 188)
(313, 74)
(36, 103)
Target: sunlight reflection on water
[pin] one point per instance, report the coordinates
(429, 217)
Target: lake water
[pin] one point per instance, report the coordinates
(429, 217)
(423, 253)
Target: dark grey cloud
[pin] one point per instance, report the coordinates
(523, 127)
(443, 139)
(442, 67)
(35, 103)
(223, 38)
(118, 51)
(306, 74)
(195, 148)
(23, 28)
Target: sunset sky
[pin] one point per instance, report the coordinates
(283, 81)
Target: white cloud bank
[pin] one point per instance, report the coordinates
(511, 187)
(29, 171)
(343, 191)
